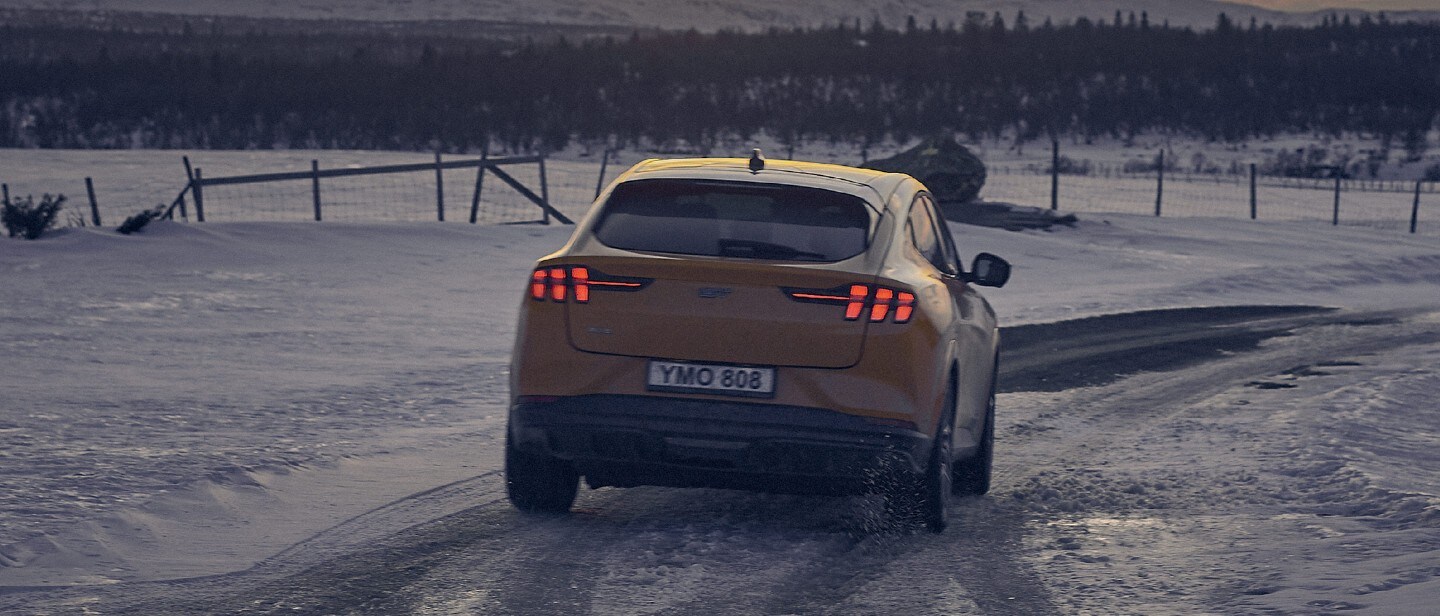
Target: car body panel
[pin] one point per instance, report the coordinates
(717, 310)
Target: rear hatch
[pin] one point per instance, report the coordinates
(733, 272)
(718, 311)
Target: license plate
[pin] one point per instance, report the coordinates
(711, 379)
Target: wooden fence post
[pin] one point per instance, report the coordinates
(479, 183)
(189, 175)
(315, 186)
(1160, 181)
(94, 207)
(199, 190)
(1415, 209)
(529, 194)
(1253, 200)
(439, 189)
(544, 189)
(1055, 174)
(178, 202)
(1335, 219)
(600, 183)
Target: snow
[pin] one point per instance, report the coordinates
(196, 398)
(221, 353)
(1333, 466)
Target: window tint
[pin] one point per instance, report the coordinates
(734, 219)
(922, 234)
(947, 241)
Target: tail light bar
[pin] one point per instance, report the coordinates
(562, 283)
(876, 303)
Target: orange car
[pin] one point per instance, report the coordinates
(765, 325)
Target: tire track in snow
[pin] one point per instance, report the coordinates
(1089, 427)
(481, 490)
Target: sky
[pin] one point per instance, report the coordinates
(1369, 5)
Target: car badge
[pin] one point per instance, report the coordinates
(714, 292)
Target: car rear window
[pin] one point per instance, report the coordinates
(734, 219)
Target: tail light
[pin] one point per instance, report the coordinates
(558, 284)
(561, 283)
(580, 279)
(859, 293)
(904, 306)
(860, 300)
(881, 306)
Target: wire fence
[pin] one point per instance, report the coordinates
(384, 192)
(125, 183)
(1391, 205)
(281, 186)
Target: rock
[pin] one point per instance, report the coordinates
(948, 169)
(1004, 215)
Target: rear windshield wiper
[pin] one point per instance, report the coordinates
(753, 249)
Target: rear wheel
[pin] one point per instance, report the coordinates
(939, 475)
(972, 475)
(926, 498)
(538, 483)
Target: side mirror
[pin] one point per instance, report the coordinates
(989, 271)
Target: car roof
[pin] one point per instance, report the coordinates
(871, 185)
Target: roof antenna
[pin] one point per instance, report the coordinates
(757, 161)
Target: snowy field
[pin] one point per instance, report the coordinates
(198, 398)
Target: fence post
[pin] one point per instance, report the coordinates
(94, 207)
(1335, 219)
(1415, 209)
(544, 189)
(1252, 191)
(5, 188)
(439, 189)
(189, 175)
(315, 186)
(199, 184)
(479, 183)
(600, 183)
(1160, 181)
(1055, 174)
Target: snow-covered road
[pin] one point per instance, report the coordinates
(325, 400)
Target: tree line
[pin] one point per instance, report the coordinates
(71, 86)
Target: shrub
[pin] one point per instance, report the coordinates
(1069, 166)
(23, 217)
(1152, 164)
(138, 221)
(75, 219)
(1432, 173)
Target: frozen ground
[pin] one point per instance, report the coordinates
(200, 398)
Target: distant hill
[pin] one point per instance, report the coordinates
(709, 15)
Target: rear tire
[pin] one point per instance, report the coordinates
(939, 476)
(538, 483)
(926, 498)
(972, 475)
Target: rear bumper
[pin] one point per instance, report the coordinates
(619, 440)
